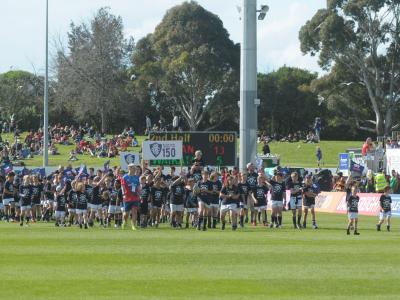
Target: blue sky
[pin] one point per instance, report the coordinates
(22, 27)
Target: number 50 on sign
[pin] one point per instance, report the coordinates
(162, 150)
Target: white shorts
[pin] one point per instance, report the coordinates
(43, 202)
(229, 207)
(277, 204)
(25, 208)
(60, 214)
(7, 201)
(204, 204)
(243, 205)
(123, 208)
(71, 210)
(94, 207)
(176, 208)
(352, 215)
(310, 206)
(191, 210)
(383, 215)
(113, 209)
(81, 211)
(214, 205)
(293, 204)
(166, 208)
(260, 208)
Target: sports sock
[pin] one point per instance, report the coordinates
(241, 220)
(214, 225)
(279, 220)
(205, 222)
(299, 220)
(294, 221)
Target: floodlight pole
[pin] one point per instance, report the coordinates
(46, 96)
(248, 85)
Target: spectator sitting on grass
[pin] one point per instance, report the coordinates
(310, 138)
(72, 156)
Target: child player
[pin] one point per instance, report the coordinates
(385, 209)
(352, 210)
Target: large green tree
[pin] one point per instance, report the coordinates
(92, 73)
(362, 37)
(189, 66)
(21, 98)
(287, 103)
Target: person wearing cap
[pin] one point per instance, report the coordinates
(131, 191)
(278, 198)
(61, 201)
(310, 192)
(8, 195)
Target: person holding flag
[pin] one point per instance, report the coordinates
(131, 190)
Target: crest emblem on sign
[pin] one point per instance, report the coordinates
(130, 159)
(155, 149)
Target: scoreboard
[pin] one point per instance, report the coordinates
(218, 148)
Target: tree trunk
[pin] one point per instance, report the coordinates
(380, 130)
(103, 121)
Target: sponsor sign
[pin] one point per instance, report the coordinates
(344, 163)
(392, 160)
(162, 150)
(395, 205)
(127, 158)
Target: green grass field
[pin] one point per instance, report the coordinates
(292, 154)
(45, 262)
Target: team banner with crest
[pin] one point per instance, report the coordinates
(162, 150)
(128, 158)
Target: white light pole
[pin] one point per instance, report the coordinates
(248, 82)
(46, 96)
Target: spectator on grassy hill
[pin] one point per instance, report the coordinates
(367, 147)
(266, 149)
(317, 129)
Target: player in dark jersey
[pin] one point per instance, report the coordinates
(385, 203)
(310, 192)
(72, 202)
(93, 188)
(230, 196)
(81, 205)
(61, 206)
(8, 195)
(252, 182)
(259, 196)
(244, 189)
(177, 201)
(25, 194)
(48, 194)
(191, 204)
(37, 197)
(157, 195)
(144, 201)
(352, 209)
(295, 186)
(205, 190)
(214, 200)
(278, 198)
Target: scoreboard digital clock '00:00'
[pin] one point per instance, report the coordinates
(218, 148)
